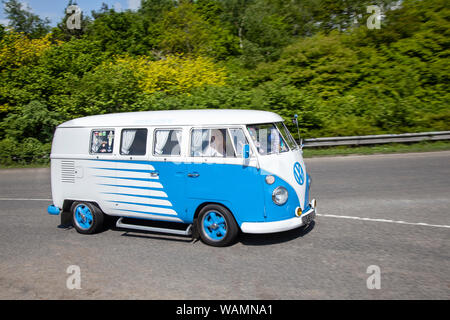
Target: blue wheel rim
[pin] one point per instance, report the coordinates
(214, 225)
(83, 217)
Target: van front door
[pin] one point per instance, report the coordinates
(217, 173)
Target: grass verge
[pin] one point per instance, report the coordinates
(25, 165)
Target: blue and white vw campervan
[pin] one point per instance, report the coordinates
(206, 172)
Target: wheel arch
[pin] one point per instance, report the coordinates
(204, 204)
(67, 204)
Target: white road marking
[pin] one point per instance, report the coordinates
(23, 199)
(318, 214)
(384, 220)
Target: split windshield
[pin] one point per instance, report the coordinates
(270, 138)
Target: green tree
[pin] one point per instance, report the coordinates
(33, 120)
(23, 20)
(119, 32)
(185, 31)
(2, 31)
(265, 32)
(233, 13)
(154, 10)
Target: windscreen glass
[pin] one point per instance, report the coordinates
(287, 135)
(267, 138)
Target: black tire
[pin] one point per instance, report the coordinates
(87, 218)
(216, 226)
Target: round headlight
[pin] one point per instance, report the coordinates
(280, 196)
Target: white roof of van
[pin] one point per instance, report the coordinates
(175, 118)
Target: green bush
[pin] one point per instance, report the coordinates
(29, 151)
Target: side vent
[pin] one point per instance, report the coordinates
(68, 171)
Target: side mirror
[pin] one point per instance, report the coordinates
(246, 151)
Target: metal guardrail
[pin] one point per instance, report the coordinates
(376, 139)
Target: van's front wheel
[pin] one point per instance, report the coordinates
(87, 218)
(216, 226)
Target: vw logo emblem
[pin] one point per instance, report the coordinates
(298, 173)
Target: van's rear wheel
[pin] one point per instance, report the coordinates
(87, 218)
(217, 226)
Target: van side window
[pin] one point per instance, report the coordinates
(211, 143)
(134, 142)
(102, 141)
(167, 142)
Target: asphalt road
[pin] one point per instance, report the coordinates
(391, 211)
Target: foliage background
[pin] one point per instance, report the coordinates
(314, 58)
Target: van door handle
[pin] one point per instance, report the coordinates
(154, 174)
(193, 175)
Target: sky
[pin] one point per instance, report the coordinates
(54, 9)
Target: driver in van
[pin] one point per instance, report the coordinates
(212, 149)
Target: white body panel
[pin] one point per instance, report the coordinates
(200, 117)
(281, 165)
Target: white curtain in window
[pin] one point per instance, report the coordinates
(176, 137)
(161, 140)
(198, 136)
(127, 140)
(239, 140)
(274, 140)
(178, 134)
(95, 143)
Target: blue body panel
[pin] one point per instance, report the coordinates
(275, 212)
(239, 188)
(242, 189)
